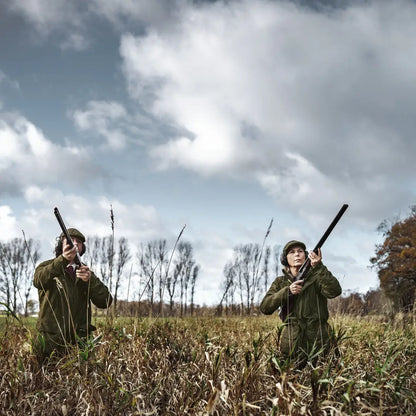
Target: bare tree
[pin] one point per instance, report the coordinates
(276, 256)
(147, 268)
(167, 278)
(230, 284)
(16, 271)
(31, 257)
(171, 285)
(161, 255)
(247, 256)
(123, 256)
(253, 276)
(6, 276)
(106, 260)
(258, 257)
(194, 277)
(245, 275)
(92, 255)
(99, 256)
(152, 261)
(266, 265)
(184, 265)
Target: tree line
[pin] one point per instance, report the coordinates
(162, 281)
(150, 275)
(156, 279)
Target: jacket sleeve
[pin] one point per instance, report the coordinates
(328, 284)
(99, 293)
(275, 297)
(46, 271)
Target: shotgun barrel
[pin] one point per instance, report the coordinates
(307, 263)
(77, 259)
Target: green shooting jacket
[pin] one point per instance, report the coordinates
(65, 304)
(306, 326)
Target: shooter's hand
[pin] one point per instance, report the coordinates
(315, 258)
(84, 273)
(68, 252)
(296, 287)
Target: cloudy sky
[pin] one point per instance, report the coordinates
(220, 115)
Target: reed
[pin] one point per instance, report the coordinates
(210, 366)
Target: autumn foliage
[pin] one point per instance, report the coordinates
(395, 262)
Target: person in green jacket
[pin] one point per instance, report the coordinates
(306, 330)
(65, 296)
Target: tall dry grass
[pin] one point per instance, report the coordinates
(218, 366)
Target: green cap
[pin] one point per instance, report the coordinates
(73, 232)
(293, 243)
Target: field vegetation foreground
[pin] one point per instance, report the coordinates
(210, 366)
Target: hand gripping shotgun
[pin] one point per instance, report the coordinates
(77, 259)
(304, 269)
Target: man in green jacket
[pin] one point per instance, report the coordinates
(306, 329)
(65, 295)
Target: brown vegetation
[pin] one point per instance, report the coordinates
(218, 366)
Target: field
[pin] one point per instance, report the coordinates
(210, 366)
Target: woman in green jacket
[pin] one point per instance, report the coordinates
(65, 295)
(306, 329)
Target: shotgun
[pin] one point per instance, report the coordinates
(77, 259)
(304, 269)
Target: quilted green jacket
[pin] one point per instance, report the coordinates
(65, 304)
(306, 327)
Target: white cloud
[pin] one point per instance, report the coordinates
(317, 107)
(92, 215)
(148, 12)
(27, 156)
(69, 23)
(5, 80)
(8, 224)
(42, 13)
(255, 82)
(58, 17)
(75, 41)
(112, 122)
(104, 119)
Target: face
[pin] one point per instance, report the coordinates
(296, 256)
(77, 243)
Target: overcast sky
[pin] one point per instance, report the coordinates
(220, 115)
